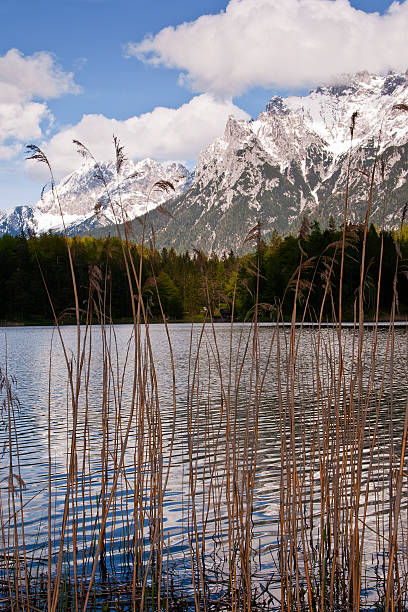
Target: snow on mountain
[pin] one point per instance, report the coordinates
(14, 220)
(88, 202)
(290, 126)
(293, 160)
(326, 112)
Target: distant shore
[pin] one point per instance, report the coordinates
(399, 322)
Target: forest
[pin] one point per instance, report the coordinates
(35, 277)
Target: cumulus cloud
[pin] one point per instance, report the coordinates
(164, 134)
(26, 83)
(279, 44)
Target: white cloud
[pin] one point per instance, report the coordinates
(164, 134)
(26, 82)
(279, 44)
(32, 76)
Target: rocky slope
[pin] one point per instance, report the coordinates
(293, 160)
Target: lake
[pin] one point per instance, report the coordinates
(267, 444)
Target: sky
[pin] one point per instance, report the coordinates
(165, 75)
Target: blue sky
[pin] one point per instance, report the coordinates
(92, 70)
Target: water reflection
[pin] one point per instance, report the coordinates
(219, 383)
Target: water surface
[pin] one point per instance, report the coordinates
(224, 377)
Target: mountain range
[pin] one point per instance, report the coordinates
(292, 161)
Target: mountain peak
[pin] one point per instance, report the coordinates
(235, 128)
(363, 82)
(277, 106)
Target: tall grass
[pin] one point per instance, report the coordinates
(340, 488)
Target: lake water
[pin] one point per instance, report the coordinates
(230, 394)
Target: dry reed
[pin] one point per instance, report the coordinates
(338, 499)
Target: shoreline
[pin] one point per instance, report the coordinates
(284, 324)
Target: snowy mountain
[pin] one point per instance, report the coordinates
(291, 161)
(85, 203)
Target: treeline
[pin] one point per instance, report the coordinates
(191, 285)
